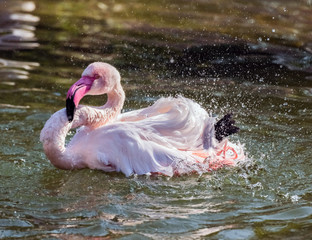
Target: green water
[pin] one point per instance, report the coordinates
(253, 58)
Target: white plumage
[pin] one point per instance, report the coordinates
(173, 136)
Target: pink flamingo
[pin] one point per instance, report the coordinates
(173, 136)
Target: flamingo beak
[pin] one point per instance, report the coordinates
(76, 92)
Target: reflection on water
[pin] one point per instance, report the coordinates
(12, 70)
(252, 58)
(17, 28)
(17, 25)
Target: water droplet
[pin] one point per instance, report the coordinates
(295, 198)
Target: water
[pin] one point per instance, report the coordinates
(250, 58)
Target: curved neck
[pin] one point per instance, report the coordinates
(94, 117)
(53, 138)
(115, 98)
(56, 128)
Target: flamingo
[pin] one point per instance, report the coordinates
(173, 136)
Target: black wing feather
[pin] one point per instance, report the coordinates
(225, 127)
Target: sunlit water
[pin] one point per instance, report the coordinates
(250, 58)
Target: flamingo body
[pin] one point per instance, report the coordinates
(173, 136)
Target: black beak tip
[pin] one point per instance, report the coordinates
(70, 109)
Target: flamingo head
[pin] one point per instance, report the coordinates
(98, 78)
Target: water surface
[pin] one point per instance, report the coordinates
(253, 58)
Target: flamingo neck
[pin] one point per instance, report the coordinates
(99, 116)
(116, 98)
(56, 128)
(53, 138)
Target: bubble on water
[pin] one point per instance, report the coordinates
(273, 30)
(308, 92)
(294, 198)
(257, 185)
(102, 6)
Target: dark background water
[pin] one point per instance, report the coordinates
(253, 58)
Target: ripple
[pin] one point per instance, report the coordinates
(289, 214)
(14, 223)
(17, 32)
(18, 28)
(10, 69)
